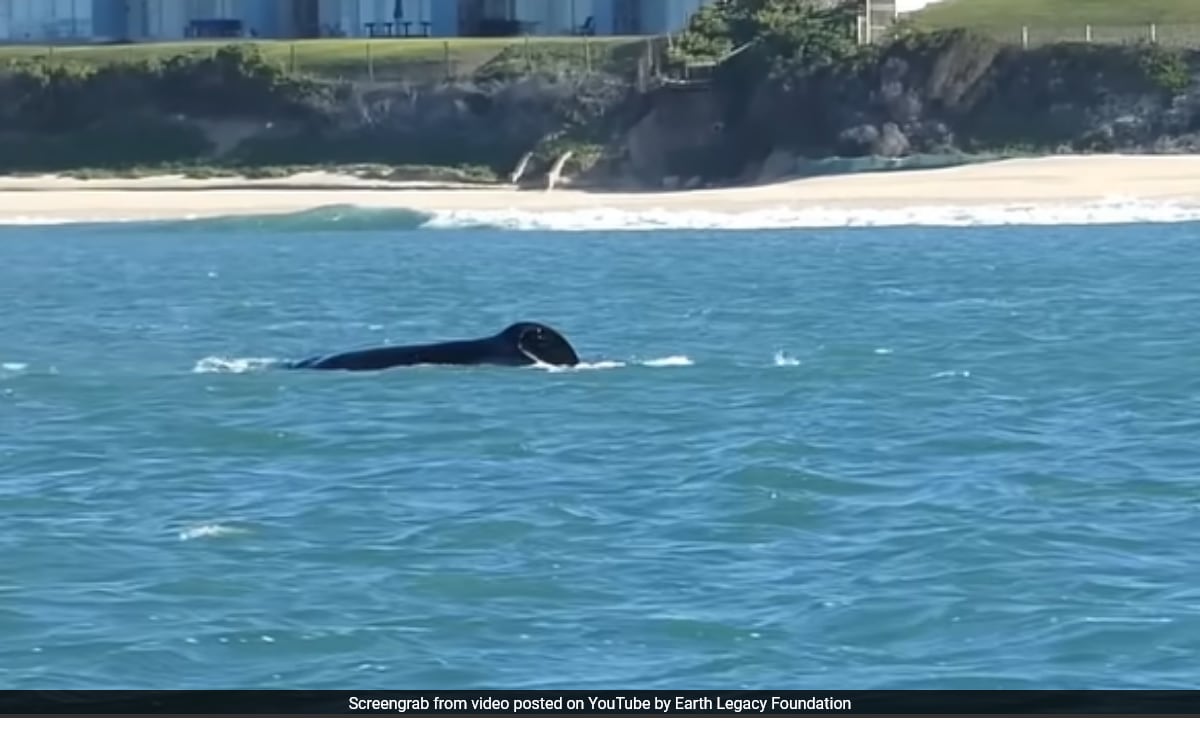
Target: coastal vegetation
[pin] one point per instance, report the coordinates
(790, 86)
(235, 107)
(981, 14)
(770, 30)
(400, 59)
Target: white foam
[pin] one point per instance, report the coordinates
(1098, 212)
(222, 365)
(38, 220)
(666, 361)
(14, 366)
(591, 366)
(782, 359)
(669, 361)
(1106, 211)
(965, 374)
(209, 531)
(25, 220)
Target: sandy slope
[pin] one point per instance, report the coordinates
(1033, 181)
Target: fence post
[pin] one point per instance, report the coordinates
(446, 47)
(292, 57)
(370, 64)
(587, 55)
(528, 61)
(1087, 33)
(1153, 33)
(1024, 37)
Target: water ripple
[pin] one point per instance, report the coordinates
(917, 461)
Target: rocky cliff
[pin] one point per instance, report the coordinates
(947, 94)
(943, 96)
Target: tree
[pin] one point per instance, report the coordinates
(814, 32)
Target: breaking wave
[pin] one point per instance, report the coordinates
(1100, 212)
(340, 218)
(336, 218)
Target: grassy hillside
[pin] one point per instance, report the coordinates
(1059, 13)
(386, 59)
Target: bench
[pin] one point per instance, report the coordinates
(213, 28)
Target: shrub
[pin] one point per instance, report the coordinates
(1165, 68)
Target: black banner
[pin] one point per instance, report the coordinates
(599, 703)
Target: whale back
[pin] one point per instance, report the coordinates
(520, 344)
(540, 343)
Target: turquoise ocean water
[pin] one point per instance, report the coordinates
(905, 457)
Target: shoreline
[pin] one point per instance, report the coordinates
(1062, 180)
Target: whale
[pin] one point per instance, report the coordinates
(520, 344)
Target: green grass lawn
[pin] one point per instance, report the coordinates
(1008, 13)
(364, 58)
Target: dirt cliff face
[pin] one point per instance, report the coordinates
(677, 136)
(937, 94)
(462, 123)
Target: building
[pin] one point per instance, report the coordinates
(567, 17)
(145, 20)
(511, 17)
(112, 20)
(40, 21)
(876, 17)
(35, 20)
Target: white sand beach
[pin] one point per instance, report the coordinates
(1040, 181)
